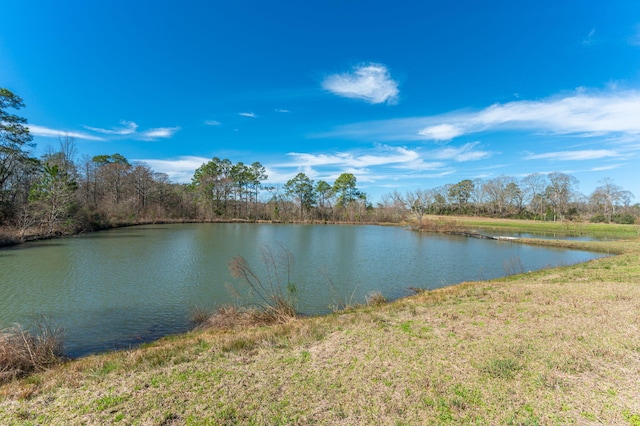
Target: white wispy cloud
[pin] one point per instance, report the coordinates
(369, 82)
(56, 133)
(605, 168)
(247, 114)
(279, 176)
(441, 132)
(579, 155)
(378, 164)
(581, 113)
(129, 127)
(612, 113)
(386, 156)
(588, 40)
(389, 156)
(460, 154)
(212, 123)
(159, 133)
(282, 110)
(130, 130)
(180, 169)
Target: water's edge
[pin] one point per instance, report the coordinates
(167, 260)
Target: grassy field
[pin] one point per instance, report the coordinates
(606, 230)
(559, 346)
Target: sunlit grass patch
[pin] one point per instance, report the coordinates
(109, 401)
(106, 368)
(502, 368)
(609, 230)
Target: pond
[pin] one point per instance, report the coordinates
(546, 236)
(118, 288)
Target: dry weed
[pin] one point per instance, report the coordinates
(272, 290)
(376, 299)
(229, 317)
(23, 352)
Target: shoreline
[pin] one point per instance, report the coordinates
(606, 248)
(437, 224)
(589, 246)
(8, 241)
(544, 347)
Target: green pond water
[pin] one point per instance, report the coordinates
(118, 288)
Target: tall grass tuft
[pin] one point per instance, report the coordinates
(271, 291)
(199, 315)
(513, 266)
(23, 352)
(376, 298)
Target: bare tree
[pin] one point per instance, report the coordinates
(478, 196)
(391, 207)
(498, 193)
(533, 187)
(609, 196)
(142, 180)
(418, 202)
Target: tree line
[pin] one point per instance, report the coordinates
(227, 190)
(59, 193)
(537, 196)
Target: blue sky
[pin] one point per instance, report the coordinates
(404, 94)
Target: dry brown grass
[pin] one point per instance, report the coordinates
(199, 315)
(231, 317)
(375, 299)
(23, 352)
(444, 225)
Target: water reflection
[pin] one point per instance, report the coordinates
(125, 286)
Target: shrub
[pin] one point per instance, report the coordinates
(23, 352)
(624, 219)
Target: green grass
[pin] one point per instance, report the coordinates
(549, 347)
(602, 230)
(504, 368)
